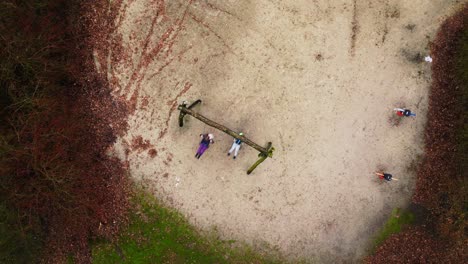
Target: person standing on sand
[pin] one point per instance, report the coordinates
(404, 112)
(385, 176)
(236, 146)
(204, 144)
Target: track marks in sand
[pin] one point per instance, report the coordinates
(218, 9)
(150, 53)
(205, 25)
(173, 104)
(354, 29)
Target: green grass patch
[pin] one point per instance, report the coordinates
(394, 224)
(157, 234)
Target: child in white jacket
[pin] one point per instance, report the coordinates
(235, 146)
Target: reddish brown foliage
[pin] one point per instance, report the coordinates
(438, 172)
(152, 153)
(415, 245)
(139, 144)
(57, 175)
(440, 177)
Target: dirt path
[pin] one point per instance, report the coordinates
(317, 78)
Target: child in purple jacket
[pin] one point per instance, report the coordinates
(204, 144)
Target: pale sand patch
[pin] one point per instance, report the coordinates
(317, 78)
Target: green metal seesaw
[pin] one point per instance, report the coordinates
(264, 152)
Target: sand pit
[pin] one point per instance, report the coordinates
(317, 78)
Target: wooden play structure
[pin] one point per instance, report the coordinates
(265, 152)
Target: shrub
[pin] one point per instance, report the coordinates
(56, 127)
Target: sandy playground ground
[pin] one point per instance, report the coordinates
(318, 78)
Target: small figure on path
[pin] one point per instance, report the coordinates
(236, 146)
(204, 144)
(385, 176)
(404, 112)
(428, 58)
